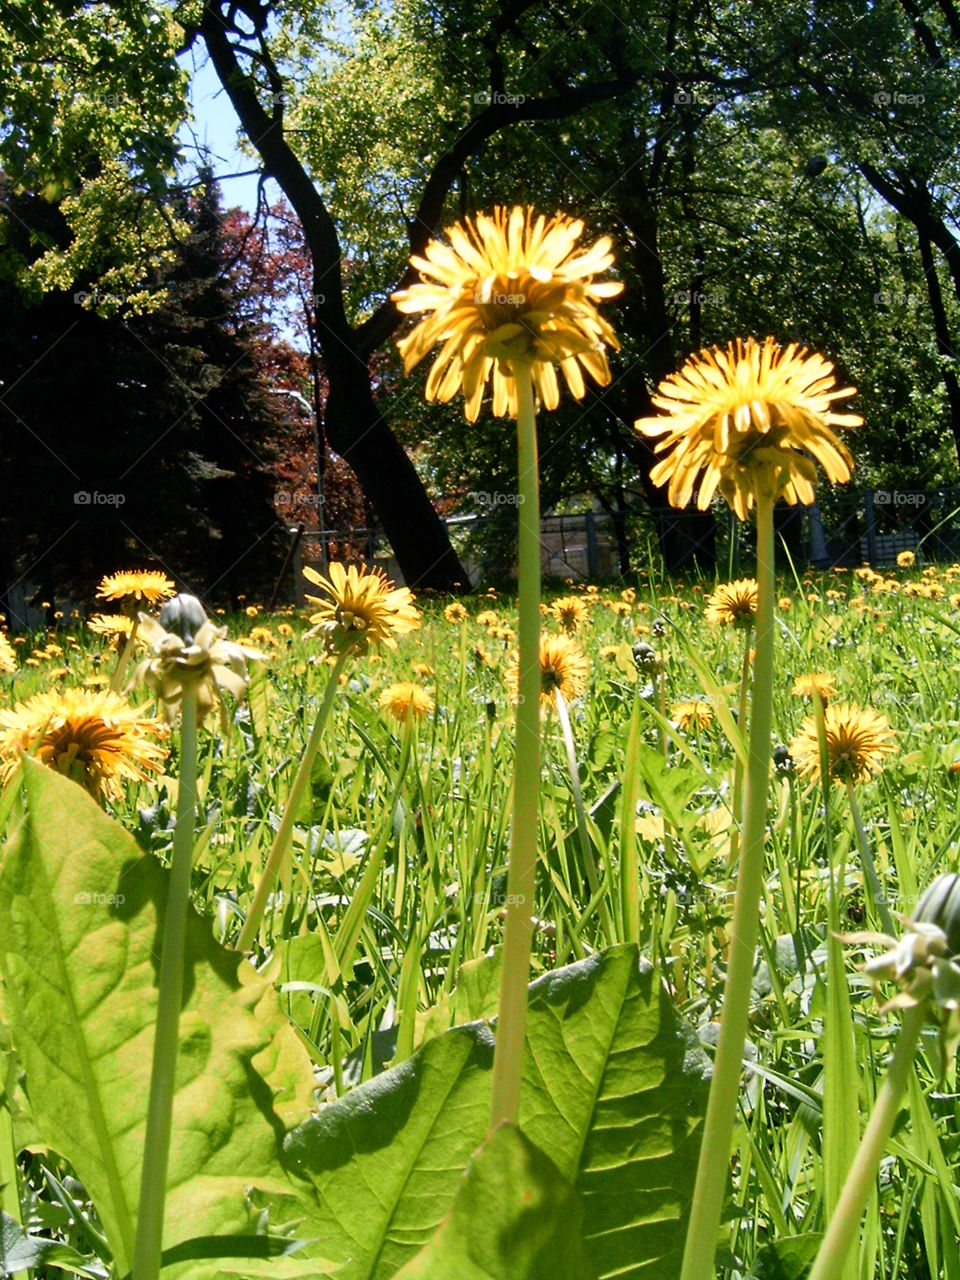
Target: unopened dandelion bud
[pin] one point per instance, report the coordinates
(183, 616)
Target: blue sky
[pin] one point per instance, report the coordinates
(214, 127)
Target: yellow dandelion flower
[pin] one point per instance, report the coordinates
(628, 595)
(92, 736)
(732, 604)
(906, 559)
(455, 613)
(570, 612)
(609, 651)
(284, 629)
(406, 701)
(8, 659)
(362, 608)
(114, 626)
(695, 711)
(136, 585)
(744, 420)
(821, 682)
(563, 666)
(511, 287)
(621, 608)
(857, 741)
(423, 670)
(487, 618)
(785, 604)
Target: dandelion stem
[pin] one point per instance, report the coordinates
(737, 798)
(583, 835)
(713, 1168)
(844, 1226)
(521, 875)
(284, 834)
(156, 1150)
(869, 866)
(116, 682)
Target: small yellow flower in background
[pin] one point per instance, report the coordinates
(628, 595)
(480, 656)
(621, 608)
(866, 574)
(487, 618)
(252, 610)
(857, 741)
(563, 666)
(608, 651)
(262, 635)
(696, 711)
(423, 670)
(8, 659)
(502, 632)
(821, 682)
(94, 737)
(570, 612)
(455, 613)
(509, 287)
(906, 559)
(785, 604)
(115, 626)
(732, 604)
(134, 586)
(743, 420)
(406, 701)
(284, 629)
(363, 608)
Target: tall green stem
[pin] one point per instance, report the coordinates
(116, 682)
(713, 1168)
(869, 866)
(583, 835)
(521, 875)
(284, 834)
(156, 1152)
(844, 1226)
(738, 764)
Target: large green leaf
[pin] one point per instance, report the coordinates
(81, 910)
(514, 1218)
(614, 1090)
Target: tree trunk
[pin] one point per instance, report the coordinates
(356, 429)
(942, 330)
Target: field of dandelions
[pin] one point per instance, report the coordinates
(429, 791)
(602, 933)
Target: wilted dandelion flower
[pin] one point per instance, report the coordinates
(820, 682)
(732, 604)
(94, 737)
(744, 420)
(570, 611)
(204, 658)
(563, 666)
(694, 712)
(906, 559)
(8, 659)
(511, 287)
(857, 741)
(135, 586)
(362, 608)
(406, 701)
(455, 613)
